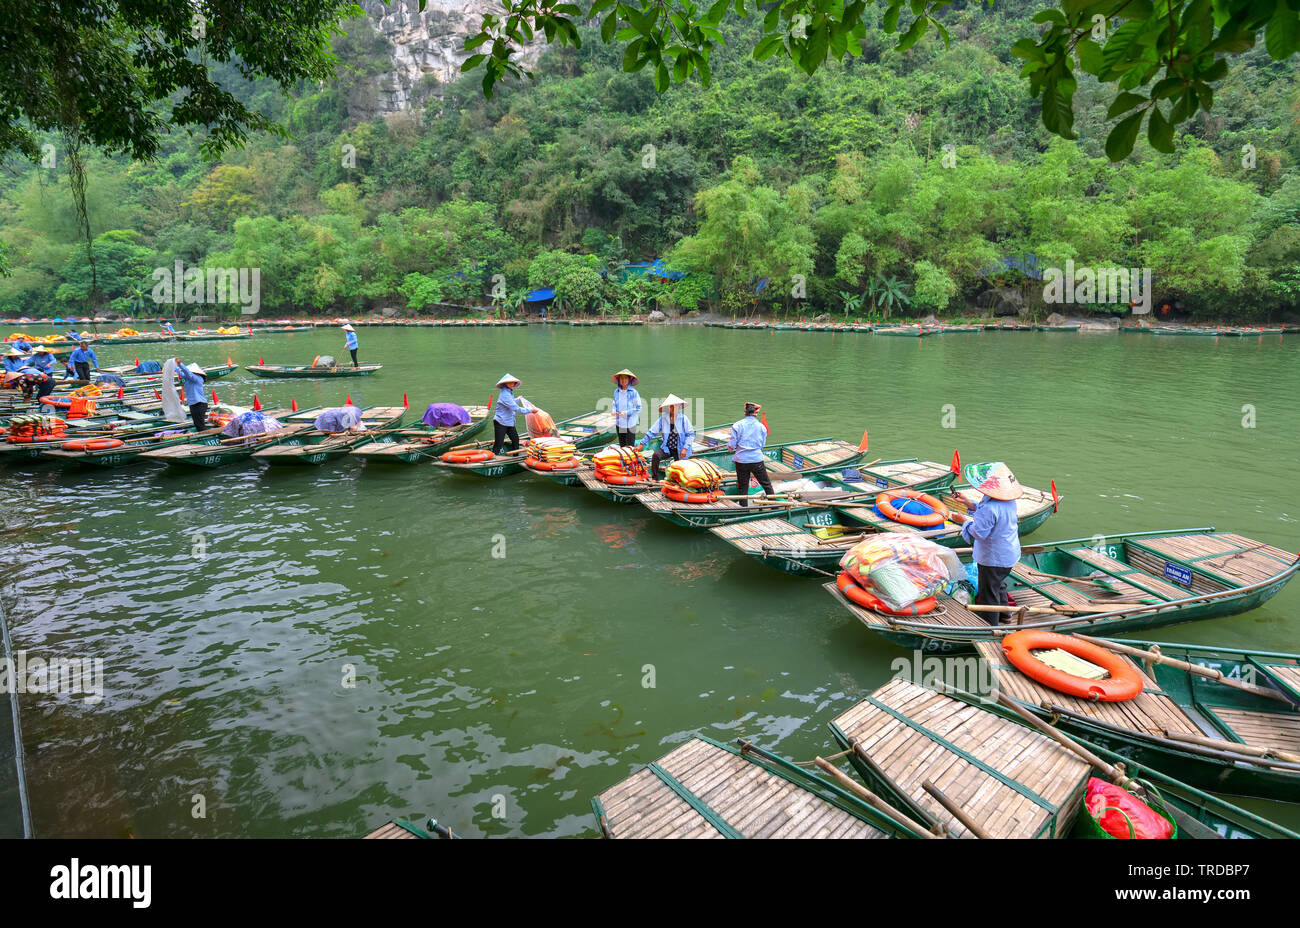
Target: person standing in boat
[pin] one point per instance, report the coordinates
(193, 378)
(83, 357)
(503, 419)
(627, 407)
(993, 531)
(675, 433)
(350, 342)
(748, 436)
(167, 329)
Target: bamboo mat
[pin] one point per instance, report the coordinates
(1048, 778)
(739, 794)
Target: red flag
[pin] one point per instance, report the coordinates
(956, 462)
(261, 360)
(256, 402)
(215, 401)
(765, 423)
(490, 399)
(406, 402)
(863, 445)
(137, 362)
(157, 395)
(1055, 499)
(121, 392)
(293, 405)
(229, 363)
(350, 403)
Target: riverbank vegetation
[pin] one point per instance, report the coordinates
(914, 182)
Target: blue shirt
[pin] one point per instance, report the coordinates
(13, 364)
(994, 532)
(351, 340)
(167, 328)
(627, 408)
(43, 362)
(193, 385)
(508, 407)
(685, 432)
(747, 439)
(84, 356)
(23, 345)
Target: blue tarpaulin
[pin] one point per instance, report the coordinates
(659, 269)
(540, 296)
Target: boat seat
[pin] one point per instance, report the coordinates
(1130, 574)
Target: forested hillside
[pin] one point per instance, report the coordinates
(906, 181)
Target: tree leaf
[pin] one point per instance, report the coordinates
(1120, 142)
(1160, 132)
(1123, 103)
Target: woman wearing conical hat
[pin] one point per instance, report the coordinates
(627, 407)
(674, 431)
(993, 530)
(350, 341)
(503, 419)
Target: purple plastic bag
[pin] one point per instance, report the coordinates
(443, 414)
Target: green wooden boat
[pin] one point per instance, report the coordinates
(810, 541)
(1066, 327)
(423, 443)
(840, 479)
(1199, 729)
(590, 430)
(212, 337)
(1184, 330)
(314, 373)
(1106, 585)
(230, 450)
(1009, 779)
(706, 789)
(127, 373)
(164, 436)
(905, 331)
(120, 426)
(315, 447)
(706, 440)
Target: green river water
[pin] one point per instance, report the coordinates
(501, 694)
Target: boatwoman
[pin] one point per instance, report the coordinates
(14, 361)
(192, 380)
(993, 530)
(674, 431)
(350, 342)
(748, 436)
(35, 380)
(627, 407)
(43, 360)
(503, 420)
(82, 358)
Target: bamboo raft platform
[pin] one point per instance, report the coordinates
(703, 789)
(401, 829)
(421, 442)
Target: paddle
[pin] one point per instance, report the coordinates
(1114, 774)
(956, 810)
(871, 798)
(1154, 656)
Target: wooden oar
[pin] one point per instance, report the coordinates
(1253, 750)
(956, 810)
(871, 798)
(1112, 772)
(1154, 656)
(913, 807)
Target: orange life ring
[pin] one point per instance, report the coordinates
(885, 503)
(467, 457)
(622, 480)
(868, 600)
(93, 444)
(679, 495)
(1124, 683)
(566, 464)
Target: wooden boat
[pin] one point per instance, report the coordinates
(1184, 330)
(1001, 777)
(590, 430)
(122, 426)
(706, 789)
(810, 541)
(1107, 585)
(211, 337)
(401, 828)
(127, 373)
(1231, 725)
(838, 467)
(1064, 327)
(710, 439)
(230, 450)
(907, 331)
(166, 436)
(307, 371)
(317, 446)
(422, 443)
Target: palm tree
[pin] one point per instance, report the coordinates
(852, 302)
(893, 292)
